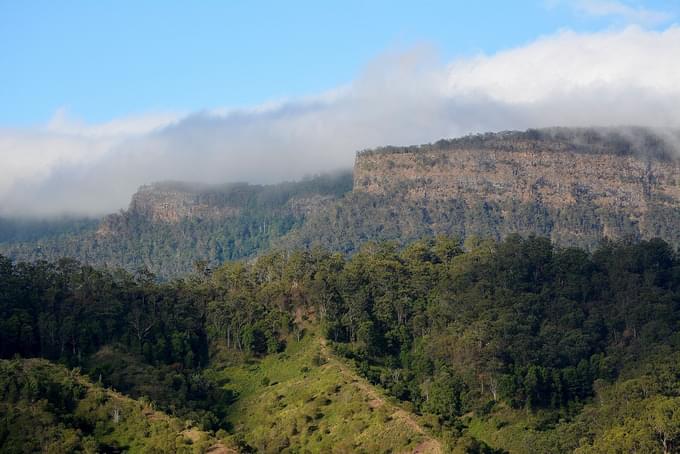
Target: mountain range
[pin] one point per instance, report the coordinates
(576, 186)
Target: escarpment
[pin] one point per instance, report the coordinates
(554, 178)
(576, 186)
(170, 203)
(175, 202)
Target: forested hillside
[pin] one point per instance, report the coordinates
(516, 346)
(22, 229)
(574, 186)
(171, 225)
(45, 407)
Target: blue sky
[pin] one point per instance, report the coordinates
(100, 60)
(100, 97)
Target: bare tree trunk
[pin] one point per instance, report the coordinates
(116, 415)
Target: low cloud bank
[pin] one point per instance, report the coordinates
(617, 77)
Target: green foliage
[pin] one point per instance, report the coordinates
(516, 343)
(302, 400)
(14, 230)
(135, 240)
(444, 395)
(47, 408)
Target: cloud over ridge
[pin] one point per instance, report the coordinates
(616, 77)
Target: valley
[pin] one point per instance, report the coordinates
(340, 227)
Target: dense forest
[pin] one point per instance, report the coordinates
(516, 345)
(26, 229)
(134, 240)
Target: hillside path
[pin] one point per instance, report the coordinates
(429, 445)
(152, 414)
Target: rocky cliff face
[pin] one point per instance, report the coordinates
(622, 183)
(171, 203)
(575, 186)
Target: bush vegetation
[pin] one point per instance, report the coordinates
(518, 344)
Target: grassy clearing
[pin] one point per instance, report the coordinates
(305, 400)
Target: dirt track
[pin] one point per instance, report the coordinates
(375, 399)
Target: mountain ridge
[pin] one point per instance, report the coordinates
(577, 186)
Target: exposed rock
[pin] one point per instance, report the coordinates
(171, 203)
(575, 186)
(166, 203)
(617, 174)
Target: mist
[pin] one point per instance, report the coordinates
(617, 77)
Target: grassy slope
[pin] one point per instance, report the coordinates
(39, 423)
(291, 403)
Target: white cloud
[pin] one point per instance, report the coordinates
(63, 123)
(616, 77)
(618, 10)
(569, 62)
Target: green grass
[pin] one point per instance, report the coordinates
(48, 408)
(289, 402)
